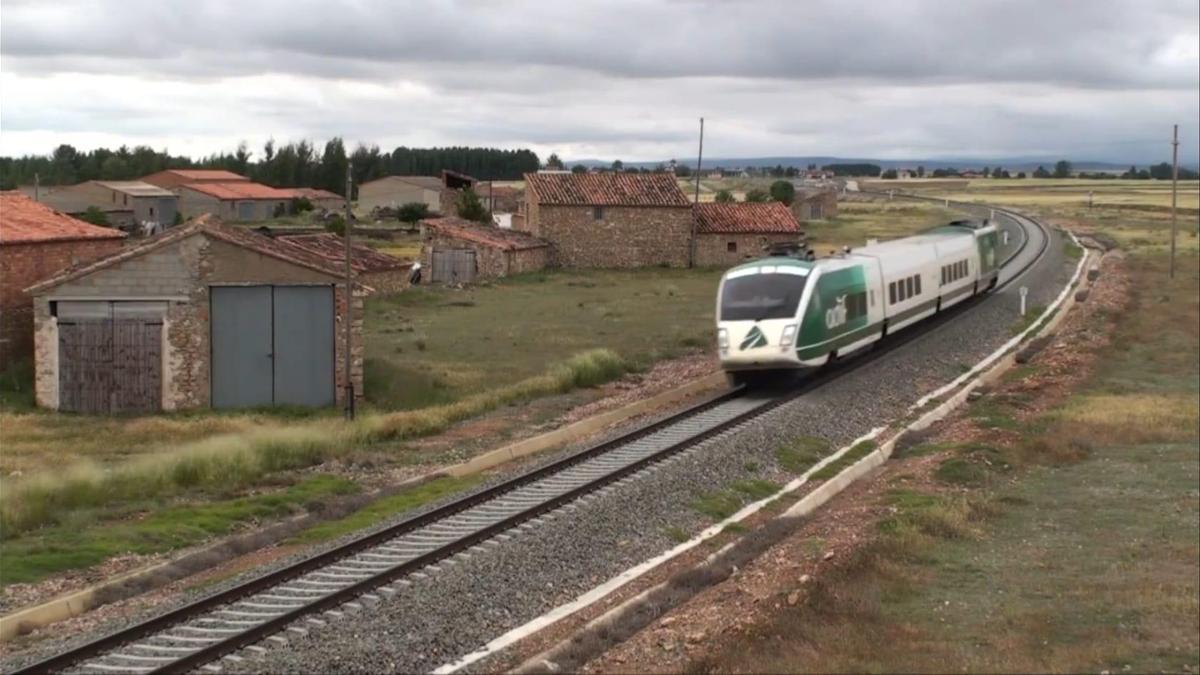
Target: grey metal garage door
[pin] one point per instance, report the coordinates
(452, 266)
(272, 345)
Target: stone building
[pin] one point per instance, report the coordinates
(439, 193)
(814, 204)
(35, 242)
(454, 250)
(320, 199)
(729, 233)
(608, 219)
(241, 201)
(131, 205)
(189, 319)
(172, 179)
(378, 271)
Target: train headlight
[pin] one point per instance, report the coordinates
(789, 335)
(723, 339)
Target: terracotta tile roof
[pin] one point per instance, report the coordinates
(606, 189)
(331, 248)
(242, 190)
(488, 235)
(24, 221)
(739, 217)
(212, 227)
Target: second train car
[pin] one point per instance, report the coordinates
(784, 313)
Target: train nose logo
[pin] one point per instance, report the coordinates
(754, 338)
(836, 316)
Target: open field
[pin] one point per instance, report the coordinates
(1071, 548)
(1067, 192)
(435, 345)
(859, 221)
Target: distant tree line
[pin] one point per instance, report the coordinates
(297, 164)
(853, 169)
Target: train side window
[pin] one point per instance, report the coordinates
(892, 293)
(872, 297)
(908, 287)
(918, 278)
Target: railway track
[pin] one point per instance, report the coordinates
(312, 591)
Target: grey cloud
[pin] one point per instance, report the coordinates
(1094, 44)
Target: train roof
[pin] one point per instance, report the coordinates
(774, 261)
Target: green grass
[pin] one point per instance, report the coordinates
(857, 222)
(718, 505)
(756, 488)
(796, 457)
(677, 534)
(433, 345)
(67, 546)
(387, 507)
(236, 461)
(860, 450)
(1032, 314)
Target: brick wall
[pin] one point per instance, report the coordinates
(624, 236)
(712, 250)
(182, 272)
(21, 266)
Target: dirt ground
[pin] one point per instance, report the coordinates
(736, 614)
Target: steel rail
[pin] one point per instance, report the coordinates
(259, 632)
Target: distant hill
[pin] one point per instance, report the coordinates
(1010, 163)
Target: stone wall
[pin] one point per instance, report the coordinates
(623, 236)
(182, 273)
(815, 207)
(387, 281)
(491, 262)
(21, 266)
(712, 250)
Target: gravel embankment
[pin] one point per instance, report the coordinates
(459, 608)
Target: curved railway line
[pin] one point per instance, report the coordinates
(198, 635)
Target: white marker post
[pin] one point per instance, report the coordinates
(1024, 292)
(947, 203)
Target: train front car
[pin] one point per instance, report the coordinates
(758, 309)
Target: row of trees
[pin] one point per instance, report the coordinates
(780, 191)
(297, 164)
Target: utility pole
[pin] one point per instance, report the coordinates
(699, 160)
(1174, 189)
(37, 187)
(348, 317)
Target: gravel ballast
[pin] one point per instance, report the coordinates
(467, 602)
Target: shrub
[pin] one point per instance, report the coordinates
(783, 191)
(757, 195)
(725, 197)
(471, 207)
(95, 216)
(301, 204)
(412, 212)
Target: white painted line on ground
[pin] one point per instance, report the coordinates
(812, 501)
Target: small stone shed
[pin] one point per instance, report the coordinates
(609, 219)
(728, 233)
(815, 204)
(36, 242)
(205, 315)
(380, 272)
(455, 250)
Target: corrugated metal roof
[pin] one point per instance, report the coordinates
(606, 189)
(313, 193)
(135, 188)
(746, 217)
(245, 190)
(24, 221)
(488, 235)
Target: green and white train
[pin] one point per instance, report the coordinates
(784, 313)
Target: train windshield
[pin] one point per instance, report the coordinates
(761, 296)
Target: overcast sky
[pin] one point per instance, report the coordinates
(1086, 79)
